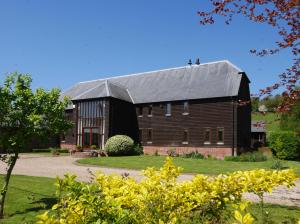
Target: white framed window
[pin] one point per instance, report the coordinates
(185, 108)
(168, 111)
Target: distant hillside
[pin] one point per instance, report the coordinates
(271, 119)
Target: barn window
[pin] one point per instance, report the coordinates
(168, 109)
(149, 135)
(150, 107)
(207, 136)
(220, 136)
(185, 108)
(140, 111)
(185, 139)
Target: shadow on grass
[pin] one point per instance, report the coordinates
(38, 205)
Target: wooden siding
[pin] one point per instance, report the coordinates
(70, 135)
(244, 117)
(203, 114)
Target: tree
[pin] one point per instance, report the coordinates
(26, 114)
(290, 120)
(282, 15)
(272, 102)
(254, 104)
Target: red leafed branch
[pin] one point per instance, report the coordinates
(282, 15)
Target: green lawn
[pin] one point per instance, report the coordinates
(29, 196)
(271, 119)
(189, 165)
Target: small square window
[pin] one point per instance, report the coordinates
(168, 109)
(140, 111)
(207, 136)
(220, 136)
(185, 108)
(149, 135)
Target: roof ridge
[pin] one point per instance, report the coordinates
(159, 70)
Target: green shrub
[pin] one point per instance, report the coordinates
(119, 145)
(247, 157)
(41, 150)
(194, 155)
(93, 146)
(277, 165)
(63, 150)
(138, 149)
(285, 145)
(55, 151)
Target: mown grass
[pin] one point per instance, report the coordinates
(29, 196)
(205, 166)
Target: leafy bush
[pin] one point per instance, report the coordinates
(160, 198)
(55, 152)
(138, 149)
(277, 165)
(247, 157)
(64, 150)
(93, 146)
(194, 155)
(41, 150)
(285, 145)
(119, 145)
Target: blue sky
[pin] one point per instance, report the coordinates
(61, 42)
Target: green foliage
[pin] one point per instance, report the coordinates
(93, 146)
(119, 145)
(277, 165)
(138, 149)
(290, 120)
(272, 102)
(194, 155)
(60, 150)
(247, 157)
(55, 152)
(254, 104)
(160, 198)
(285, 145)
(25, 113)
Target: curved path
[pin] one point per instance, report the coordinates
(47, 166)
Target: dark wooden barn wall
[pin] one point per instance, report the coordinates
(122, 119)
(168, 130)
(70, 135)
(244, 117)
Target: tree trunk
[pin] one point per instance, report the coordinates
(10, 165)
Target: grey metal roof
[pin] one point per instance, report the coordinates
(258, 126)
(210, 80)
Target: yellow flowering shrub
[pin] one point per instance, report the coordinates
(159, 198)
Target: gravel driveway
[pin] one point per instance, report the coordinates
(46, 166)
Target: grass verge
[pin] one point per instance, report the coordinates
(27, 197)
(205, 166)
